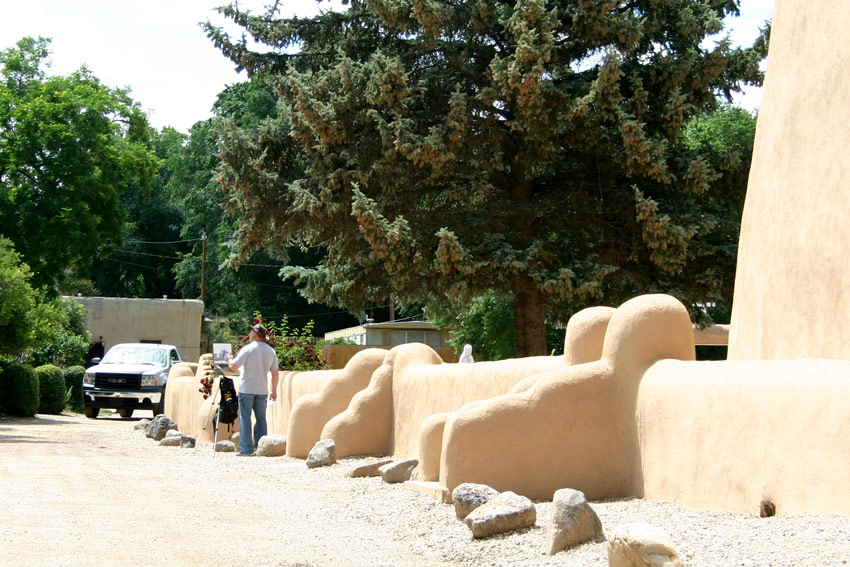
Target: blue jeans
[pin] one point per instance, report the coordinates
(248, 402)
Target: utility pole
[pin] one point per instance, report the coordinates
(204, 267)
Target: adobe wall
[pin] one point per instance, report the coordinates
(311, 411)
(131, 320)
(421, 390)
(728, 435)
(411, 384)
(793, 275)
(646, 420)
(186, 406)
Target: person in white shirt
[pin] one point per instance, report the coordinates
(254, 362)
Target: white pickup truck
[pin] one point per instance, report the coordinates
(131, 376)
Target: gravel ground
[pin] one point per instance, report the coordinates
(97, 492)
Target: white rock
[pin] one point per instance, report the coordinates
(468, 496)
(641, 545)
(504, 513)
(271, 446)
(573, 521)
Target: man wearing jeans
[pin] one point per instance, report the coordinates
(254, 361)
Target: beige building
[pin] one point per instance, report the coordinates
(114, 320)
(393, 333)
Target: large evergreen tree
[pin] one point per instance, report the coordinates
(194, 190)
(435, 150)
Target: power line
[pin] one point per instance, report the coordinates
(194, 259)
(163, 242)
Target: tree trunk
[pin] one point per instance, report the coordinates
(528, 317)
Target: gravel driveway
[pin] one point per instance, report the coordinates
(80, 492)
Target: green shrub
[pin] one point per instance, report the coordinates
(74, 384)
(51, 387)
(18, 390)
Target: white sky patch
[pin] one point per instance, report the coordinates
(157, 49)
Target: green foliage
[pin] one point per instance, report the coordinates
(488, 325)
(293, 346)
(61, 335)
(140, 268)
(19, 390)
(33, 327)
(437, 151)
(69, 147)
(51, 388)
(74, 387)
(17, 300)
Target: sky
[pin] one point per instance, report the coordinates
(158, 50)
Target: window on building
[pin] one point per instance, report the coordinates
(430, 338)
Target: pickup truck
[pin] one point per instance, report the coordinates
(131, 376)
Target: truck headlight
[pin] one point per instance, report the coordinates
(88, 378)
(149, 380)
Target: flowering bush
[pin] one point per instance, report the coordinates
(208, 375)
(294, 351)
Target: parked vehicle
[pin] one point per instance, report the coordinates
(131, 376)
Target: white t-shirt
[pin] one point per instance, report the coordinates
(255, 360)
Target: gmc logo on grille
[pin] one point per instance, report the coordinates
(116, 380)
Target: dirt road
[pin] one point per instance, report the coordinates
(78, 492)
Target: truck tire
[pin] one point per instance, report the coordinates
(160, 407)
(125, 413)
(91, 413)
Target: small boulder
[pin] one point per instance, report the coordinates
(142, 424)
(159, 426)
(641, 545)
(469, 496)
(322, 454)
(398, 471)
(271, 446)
(371, 469)
(225, 447)
(173, 433)
(573, 521)
(504, 513)
(171, 441)
(188, 442)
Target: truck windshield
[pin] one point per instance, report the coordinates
(134, 355)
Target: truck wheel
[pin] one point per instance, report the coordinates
(160, 407)
(91, 413)
(125, 413)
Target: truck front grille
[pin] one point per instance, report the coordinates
(118, 381)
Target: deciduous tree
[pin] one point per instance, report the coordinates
(69, 147)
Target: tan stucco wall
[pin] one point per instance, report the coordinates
(186, 406)
(646, 420)
(573, 427)
(727, 435)
(410, 385)
(312, 411)
(791, 298)
(130, 320)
